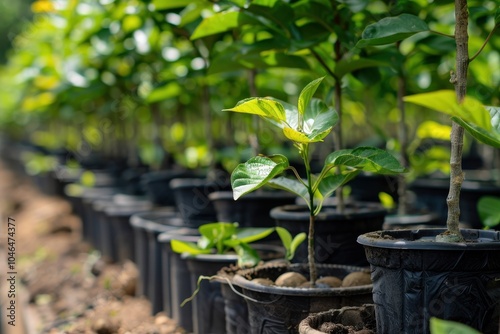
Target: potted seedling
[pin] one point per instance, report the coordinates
(448, 273)
(220, 244)
(303, 125)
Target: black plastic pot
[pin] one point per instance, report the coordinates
(335, 234)
(366, 187)
(235, 306)
(146, 228)
(191, 198)
(176, 282)
(115, 236)
(157, 185)
(357, 318)
(251, 210)
(432, 192)
(278, 310)
(415, 278)
(82, 199)
(209, 305)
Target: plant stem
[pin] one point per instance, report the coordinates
(457, 132)
(310, 235)
(403, 139)
(254, 142)
(484, 44)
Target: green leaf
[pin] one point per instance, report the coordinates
(297, 240)
(307, 93)
(346, 66)
(164, 92)
(392, 29)
(445, 101)
(265, 107)
(488, 208)
(290, 243)
(330, 183)
(247, 256)
(220, 22)
(171, 4)
(255, 173)
(369, 159)
(313, 126)
(439, 326)
(497, 16)
(491, 138)
(290, 185)
(251, 234)
(217, 233)
(180, 247)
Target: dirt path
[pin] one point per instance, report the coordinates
(59, 284)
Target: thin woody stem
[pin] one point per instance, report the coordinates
(457, 132)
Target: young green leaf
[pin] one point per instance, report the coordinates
(247, 256)
(491, 138)
(488, 210)
(265, 107)
(392, 29)
(291, 185)
(349, 65)
(180, 247)
(250, 234)
(445, 101)
(255, 173)
(307, 93)
(217, 233)
(369, 159)
(290, 243)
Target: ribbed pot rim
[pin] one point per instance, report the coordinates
(353, 210)
(424, 239)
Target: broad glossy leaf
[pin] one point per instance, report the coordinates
(307, 93)
(180, 247)
(301, 137)
(332, 182)
(220, 22)
(265, 107)
(277, 11)
(487, 208)
(290, 185)
(251, 234)
(247, 256)
(255, 173)
(445, 101)
(491, 138)
(392, 29)
(346, 66)
(216, 234)
(369, 159)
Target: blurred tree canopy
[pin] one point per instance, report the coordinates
(12, 16)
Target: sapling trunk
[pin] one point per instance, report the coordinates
(403, 142)
(254, 142)
(459, 79)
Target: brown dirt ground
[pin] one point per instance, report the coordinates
(61, 285)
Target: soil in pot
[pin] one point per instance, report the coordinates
(275, 309)
(335, 234)
(415, 278)
(347, 320)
